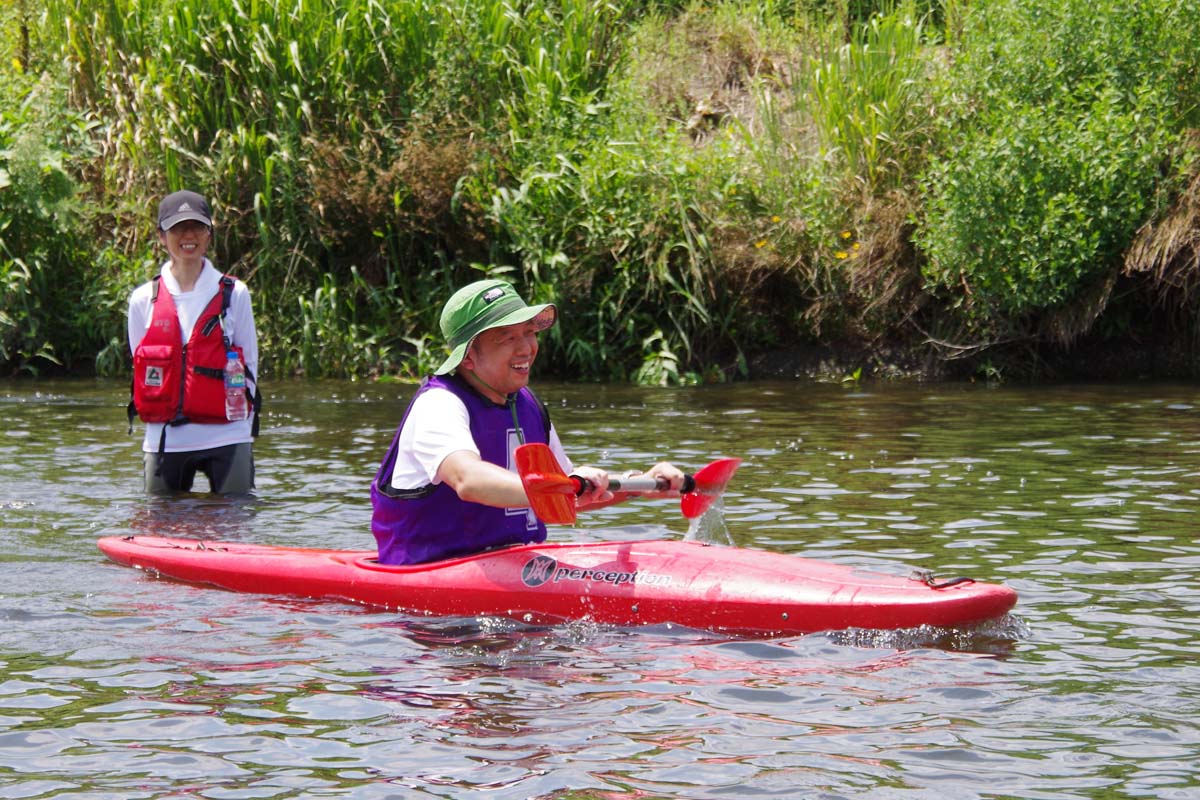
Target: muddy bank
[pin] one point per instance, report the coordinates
(1087, 360)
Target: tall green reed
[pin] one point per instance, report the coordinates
(334, 339)
(870, 100)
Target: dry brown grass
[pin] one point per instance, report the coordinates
(884, 277)
(409, 191)
(1166, 251)
(1067, 324)
(702, 74)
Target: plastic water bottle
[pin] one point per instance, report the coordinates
(236, 406)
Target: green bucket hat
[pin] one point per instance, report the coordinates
(481, 306)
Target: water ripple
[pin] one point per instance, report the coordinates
(116, 684)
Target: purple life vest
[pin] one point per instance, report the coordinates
(431, 523)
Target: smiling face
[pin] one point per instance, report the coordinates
(499, 360)
(186, 242)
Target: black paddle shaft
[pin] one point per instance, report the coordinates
(637, 485)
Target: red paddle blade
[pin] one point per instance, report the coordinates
(550, 491)
(710, 484)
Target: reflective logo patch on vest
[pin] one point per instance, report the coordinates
(154, 376)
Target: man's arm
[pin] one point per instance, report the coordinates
(478, 481)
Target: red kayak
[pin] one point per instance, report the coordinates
(706, 587)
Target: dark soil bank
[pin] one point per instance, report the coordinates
(1088, 360)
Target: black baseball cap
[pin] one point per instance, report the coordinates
(180, 206)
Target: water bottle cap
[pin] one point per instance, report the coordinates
(231, 354)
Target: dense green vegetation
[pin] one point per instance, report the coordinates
(694, 183)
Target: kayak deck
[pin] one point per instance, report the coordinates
(706, 587)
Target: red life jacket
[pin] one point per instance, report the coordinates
(177, 383)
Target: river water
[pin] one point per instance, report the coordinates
(114, 684)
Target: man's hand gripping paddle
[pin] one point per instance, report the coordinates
(552, 492)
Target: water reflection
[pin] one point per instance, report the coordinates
(196, 516)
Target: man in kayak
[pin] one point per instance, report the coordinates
(447, 485)
(185, 326)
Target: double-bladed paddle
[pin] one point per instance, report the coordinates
(552, 492)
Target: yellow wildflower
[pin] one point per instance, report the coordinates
(840, 254)
(846, 234)
(761, 243)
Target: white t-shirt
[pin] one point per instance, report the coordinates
(241, 331)
(437, 426)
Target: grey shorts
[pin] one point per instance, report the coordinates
(229, 469)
